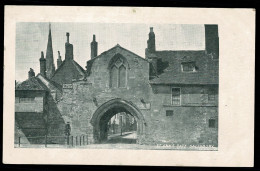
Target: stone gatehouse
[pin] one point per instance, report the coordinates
(173, 95)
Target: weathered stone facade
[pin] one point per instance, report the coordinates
(188, 125)
(80, 103)
(118, 80)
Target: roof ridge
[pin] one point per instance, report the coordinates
(57, 85)
(117, 46)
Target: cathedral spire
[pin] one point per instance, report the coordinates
(50, 68)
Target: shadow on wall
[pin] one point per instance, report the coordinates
(31, 126)
(161, 66)
(55, 124)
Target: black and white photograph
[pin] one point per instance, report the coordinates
(84, 85)
(128, 86)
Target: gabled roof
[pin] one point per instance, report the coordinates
(170, 71)
(90, 62)
(119, 47)
(75, 64)
(32, 83)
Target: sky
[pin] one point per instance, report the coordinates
(31, 39)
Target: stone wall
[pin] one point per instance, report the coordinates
(79, 103)
(189, 123)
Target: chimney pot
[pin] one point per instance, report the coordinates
(68, 35)
(42, 64)
(59, 61)
(68, 48)
(42, 55)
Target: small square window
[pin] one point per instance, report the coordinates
(169, 112)
(212, 123)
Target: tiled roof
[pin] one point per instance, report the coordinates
(77, 66)
(170, 72)
(32, 83)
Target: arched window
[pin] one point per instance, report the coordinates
(118, 73)
(122, 76)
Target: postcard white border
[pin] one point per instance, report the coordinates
(236, 95)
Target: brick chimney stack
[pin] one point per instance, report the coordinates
(94, 47)
(31, 73)
(42, 65)
(212, 40)
(59, 60)
(151, 41)
(150, 51)
(68, 48)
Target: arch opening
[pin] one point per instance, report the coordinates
(101, 121)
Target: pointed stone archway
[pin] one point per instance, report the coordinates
(107, 110)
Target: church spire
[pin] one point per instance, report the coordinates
(50, 68)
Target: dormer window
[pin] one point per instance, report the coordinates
(188, 67)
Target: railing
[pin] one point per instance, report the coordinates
(53, 141)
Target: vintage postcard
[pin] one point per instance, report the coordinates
(149, 90)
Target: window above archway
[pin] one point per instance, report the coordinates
(118, 72)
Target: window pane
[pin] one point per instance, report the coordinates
(17, 100)
(176, 96)
(169, 112)
(188, 66)
(211, 97)
(212, 93)
(175, 92)
(27, 100)
(122, 76)
(114, 77)
(212, 123)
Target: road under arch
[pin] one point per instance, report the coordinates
(107, 110)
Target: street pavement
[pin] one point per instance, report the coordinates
(125, 141)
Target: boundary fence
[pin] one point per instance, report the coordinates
(72, 141)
